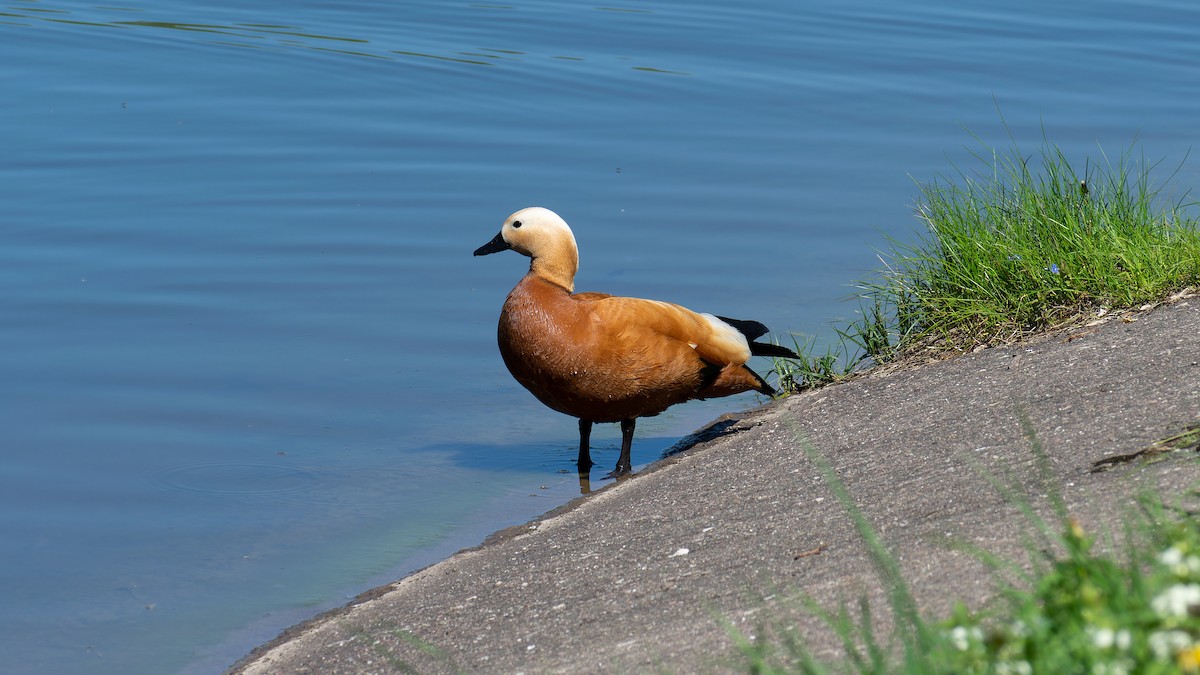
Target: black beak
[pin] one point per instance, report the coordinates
(496, 245)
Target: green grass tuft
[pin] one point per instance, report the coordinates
(1021, 245)
(1020, 248)
(810, 369)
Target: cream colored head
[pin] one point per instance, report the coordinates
(543, 236)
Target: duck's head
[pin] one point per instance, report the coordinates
(543, 236)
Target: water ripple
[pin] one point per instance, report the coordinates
(418, 45)
(238, 478)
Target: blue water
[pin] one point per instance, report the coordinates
(248, 361)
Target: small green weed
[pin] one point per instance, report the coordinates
(1092, 614)
(430, 652)
(1078, 612)
(810, 369)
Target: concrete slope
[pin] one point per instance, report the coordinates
(635, 577)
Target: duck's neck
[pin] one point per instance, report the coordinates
(557, 266)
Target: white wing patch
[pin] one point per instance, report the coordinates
(729, 336)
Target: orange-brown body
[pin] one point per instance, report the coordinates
(606, 359)
(610, 359)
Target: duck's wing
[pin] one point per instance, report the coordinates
(653, 325)
(665, 347)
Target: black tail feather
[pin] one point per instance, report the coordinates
(765, 349)
(754, 330)
(751, 329)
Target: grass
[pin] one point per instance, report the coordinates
(1076, 612)
(1022, 245)
(1016, 247)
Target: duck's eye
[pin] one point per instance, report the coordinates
(516, 223)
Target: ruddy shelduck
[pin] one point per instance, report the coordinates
(611, 359)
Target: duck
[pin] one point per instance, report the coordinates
(603, 358)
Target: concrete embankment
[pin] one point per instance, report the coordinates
(634, 577)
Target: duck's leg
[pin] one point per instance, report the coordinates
(585, 440)
(624, 464)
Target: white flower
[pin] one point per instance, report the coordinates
(1176, 600)
(1107, 638)
(961, 637)
(1171, 557)
(1103, 637)
(1166, 643)
(1179, 563)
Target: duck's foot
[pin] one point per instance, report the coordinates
(622, 471)
(624, 463)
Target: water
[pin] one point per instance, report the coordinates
(248, 360)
